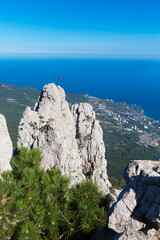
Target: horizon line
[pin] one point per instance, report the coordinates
(81, 55)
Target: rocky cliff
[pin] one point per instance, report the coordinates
(5, 146)
(138, 205)
(71, 140)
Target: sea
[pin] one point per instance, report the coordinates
(131, 81)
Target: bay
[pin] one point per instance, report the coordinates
(131, 81)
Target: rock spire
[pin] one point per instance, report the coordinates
(71, 140)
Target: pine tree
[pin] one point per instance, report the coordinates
(37, 205)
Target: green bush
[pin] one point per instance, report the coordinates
(116, 183)
(38, 205)
(78, 135)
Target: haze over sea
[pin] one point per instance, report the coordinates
(131, 81)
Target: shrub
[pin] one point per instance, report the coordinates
(88, 118)
(33, 125)
(38, 205)
(119, 184)
(78, 135)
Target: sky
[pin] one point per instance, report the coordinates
(109, 28)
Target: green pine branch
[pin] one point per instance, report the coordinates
(38, 205)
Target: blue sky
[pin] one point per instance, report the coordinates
(122, 28)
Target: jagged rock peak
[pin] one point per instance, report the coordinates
(51, 95)
(55, 129)
(6, 147)
(90, 144)
(138, 205)
(50, 127)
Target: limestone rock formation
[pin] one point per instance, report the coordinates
(52, 127)
(145, 168)
(6, 147)
(90, 144)
(150, 234)
(138, 205)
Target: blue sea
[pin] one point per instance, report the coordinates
(131, 81)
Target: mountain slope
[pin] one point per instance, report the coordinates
(128, 133)
(13, 101)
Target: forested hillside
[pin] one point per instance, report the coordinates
(13, 101)
(120, 128)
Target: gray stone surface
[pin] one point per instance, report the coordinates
(70, 140)
(138, 205)
(6, 147)
(139, 167)
(90, 144)
(150, 234)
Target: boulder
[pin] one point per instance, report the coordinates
(138, 205)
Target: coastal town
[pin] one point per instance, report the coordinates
(127, 118)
